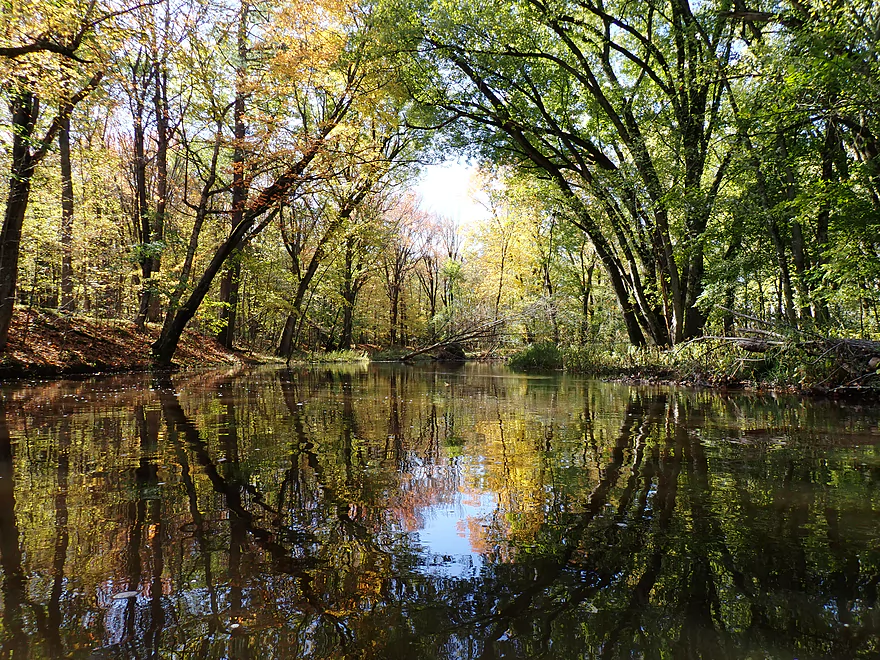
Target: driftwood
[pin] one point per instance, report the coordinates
(853, 348)
(760, 340)
(479, 332)
(859, 358)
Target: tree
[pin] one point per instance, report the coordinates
(143, 71)
(500, 233)
(356, 263)
(398, 259)
(321, 223)
(231, 277)
(430, 258)
(67, 299)
(263, 208)
(28, 149)
(629, 125)
(360, 164)
(324, 80)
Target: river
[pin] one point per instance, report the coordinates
(432, 512)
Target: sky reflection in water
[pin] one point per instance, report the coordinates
(391, 512)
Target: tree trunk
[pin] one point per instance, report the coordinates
(289, 336)
(201, 214)
(142, 213)
(164, 348)
(611, 266)
(394, 311)
(229, 289)
(548, 286)
(160, 101)
(586, 298)
(230, 284)
(585, 222)
(285, 346)
(67, 300)
(798, 249)
(349, 292)
(785, 291)
(730, 255)
(345, 340)
(501, 265)
(24, 109)
(694, 317)
(830, 149)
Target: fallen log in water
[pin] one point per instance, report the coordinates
(846, 361)
(482, 331)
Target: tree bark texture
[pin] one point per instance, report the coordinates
(67, 214)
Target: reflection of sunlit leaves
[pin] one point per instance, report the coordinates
(454, 445)
(756, 522)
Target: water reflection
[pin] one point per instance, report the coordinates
(390, 512)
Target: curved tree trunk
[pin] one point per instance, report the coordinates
(288, 336)
(164, 348)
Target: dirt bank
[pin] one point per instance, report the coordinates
(45, 343)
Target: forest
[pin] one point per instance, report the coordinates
(651, 172)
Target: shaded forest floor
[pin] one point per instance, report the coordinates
(44, 343)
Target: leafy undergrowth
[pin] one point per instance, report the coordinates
(537, 357)
(44, 343)
(351, 355)
(789, 366)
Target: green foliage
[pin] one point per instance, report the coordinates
(343, 356)
(613, 134)
(208, 317)
(152, 250)
(596, 359)
(792, 364)
(537, 357)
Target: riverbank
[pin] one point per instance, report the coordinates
(836, 367)
(46, 344)
(43, 343)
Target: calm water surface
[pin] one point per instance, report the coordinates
(391, 512)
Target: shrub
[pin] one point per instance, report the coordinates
(544, 356)
(344, 355)
(590, 360)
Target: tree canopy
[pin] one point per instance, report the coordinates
(647, 169)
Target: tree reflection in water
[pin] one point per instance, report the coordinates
(301, 514)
